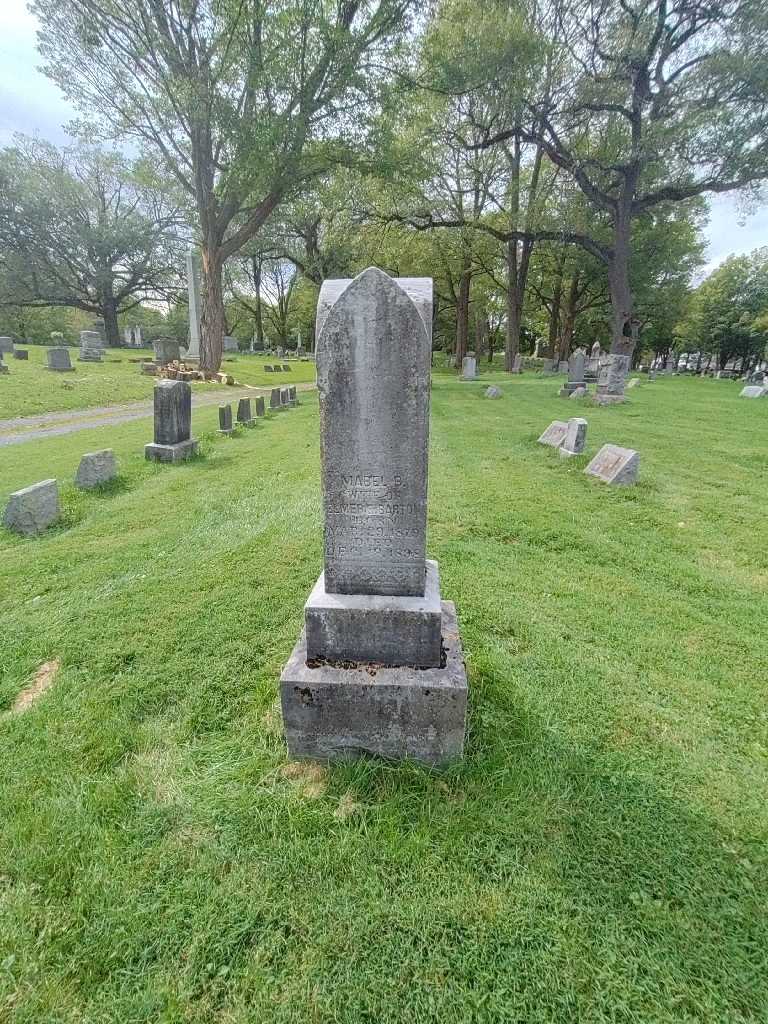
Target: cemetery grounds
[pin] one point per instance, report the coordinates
(599, 855)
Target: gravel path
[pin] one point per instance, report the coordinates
(54, 424)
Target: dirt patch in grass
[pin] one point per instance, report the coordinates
(309, 778)
(41, 682)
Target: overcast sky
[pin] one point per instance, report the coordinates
(31, 104)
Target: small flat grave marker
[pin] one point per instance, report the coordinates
(615, 465)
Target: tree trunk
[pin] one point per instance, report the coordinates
(109, 312)
(212, 319)
(569, 322)
(514, 310)
(554, 318)
(622, 341)
(258, 317)
(462, 314)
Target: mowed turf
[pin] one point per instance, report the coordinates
(30, 389)
(600, 854)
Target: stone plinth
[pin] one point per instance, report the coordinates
(96, 468)
(59, 361)
(615, 465)
(332, 713)
(171, 452)
(33, 509)
(362, 627)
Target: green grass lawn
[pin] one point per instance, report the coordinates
(30, 389)
(600, 854)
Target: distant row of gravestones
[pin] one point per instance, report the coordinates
(35, 508)
(612, 464)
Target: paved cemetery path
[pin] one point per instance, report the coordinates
(53, 424)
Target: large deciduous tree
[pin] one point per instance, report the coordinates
(84, 228)
(654, 102)
(245, 101)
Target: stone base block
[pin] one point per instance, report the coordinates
(171, 452)
(387, 630)
(334, 713)
(609, 399)
(228, 432)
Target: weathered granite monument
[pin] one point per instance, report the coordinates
(58, 360)
(6, 345)
(225, 419)
(173, 423)
(517, 364)
(244, 414)
(166, 351)
(575, 440)
(575, 374)
(91, 347)
(610, 383)
(33, 509)
(95, 469)
(469, 368)
(378, 668)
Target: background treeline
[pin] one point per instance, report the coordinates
(547, 163)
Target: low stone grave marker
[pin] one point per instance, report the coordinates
(244, 414)
(517, 364)
(274, 399)
(173, 423)
(59, 361)
(225, 419)
(555, 433)
(615, 465)
(20, 353)
(285, 398)
(579, 393)
(260, 410)
(6, 345)
(287, 367)
(493, 392)
(575, 439)
(33, 509)
(292, 395)
(753, 391)
(269, 369)
(96, 468)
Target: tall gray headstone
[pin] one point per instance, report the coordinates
(260, 410)
(378, 668)
(613, 372)
(244, 414)
(173, 423)
(6, 345)
(193, 288)
(575, 373)
(274, 399)
(91, 347)
(225, 419)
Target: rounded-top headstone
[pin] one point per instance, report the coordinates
(373, 359)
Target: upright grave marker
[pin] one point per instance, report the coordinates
(91, 347)
(225, 419)
(173, 423)
(96, 468)
(469, 368)
(33, 509)
(575, 374)
(379, 667)
(58, 360)
(244, 414)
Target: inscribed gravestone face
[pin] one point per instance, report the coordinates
(555, 433)
(615, 465)
(373, 382)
